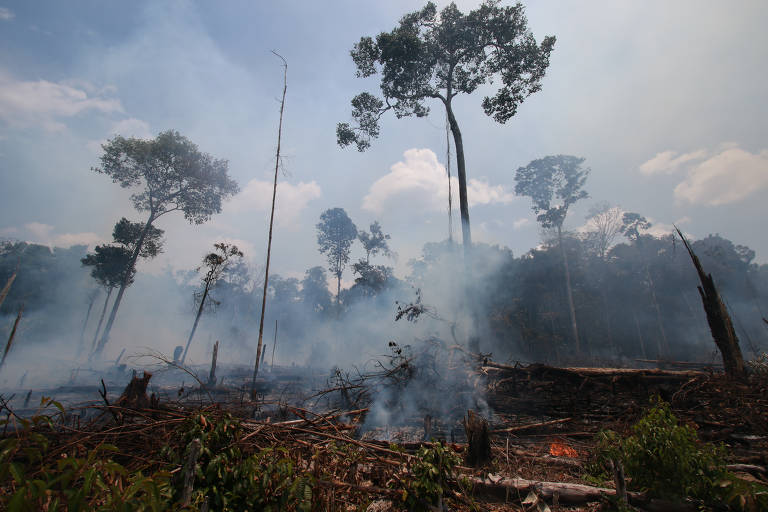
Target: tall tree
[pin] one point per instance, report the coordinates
(215, 264)
(171, 175)
(335, 234)
(430, 56)
(554, 183)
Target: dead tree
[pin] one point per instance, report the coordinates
(719, 320)
(259, 347)
(216, 263)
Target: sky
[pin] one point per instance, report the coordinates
(666, 101)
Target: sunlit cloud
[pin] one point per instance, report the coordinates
(43, 103)
(290, 202)
(421, 176)
(6, 14)
(724, 178)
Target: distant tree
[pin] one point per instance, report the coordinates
(314, 290)
(111, 262)
(605, 224)
(215, 265)
(554, 183)
(373, 277)
(335, 234)
(430, 56)
(632, 224)
(173, 175)
(374, 242)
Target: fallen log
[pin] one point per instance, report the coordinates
(530, 426)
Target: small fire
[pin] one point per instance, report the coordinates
(562, 450)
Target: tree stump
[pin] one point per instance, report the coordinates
(478, 440)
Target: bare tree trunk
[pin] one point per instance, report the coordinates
(13, 335)
(271, 223)
(7, 287)
(461, 173)
(123, 286)
(101, 319)
(197, 320)
(85, 323)
(662, 343)
(569, 291)
(212, 374)
(719, 320)
(640, 336)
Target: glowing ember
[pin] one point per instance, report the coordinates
(562, 450)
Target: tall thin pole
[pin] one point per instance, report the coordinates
(271, 222)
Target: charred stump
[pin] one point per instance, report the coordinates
(135, 393)
(212, 374)
(720, 323)
(478, 440)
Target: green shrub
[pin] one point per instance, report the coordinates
(431, 471)
(228, 480)
(667, 460)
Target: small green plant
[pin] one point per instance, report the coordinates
(431, 473)
(667, 460)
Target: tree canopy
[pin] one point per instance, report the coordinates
(175, 175)
(438, 56)
(553, 183)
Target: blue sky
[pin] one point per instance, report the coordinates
(665, 100)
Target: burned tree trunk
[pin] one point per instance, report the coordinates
(478, 440)
(212, 375)
(719, 320)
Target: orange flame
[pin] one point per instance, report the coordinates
(562, 450)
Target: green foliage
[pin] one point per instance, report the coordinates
(30, 480)
(175, 175)
(435, 56)
(667, 460)
(431, 473)
(230, 481)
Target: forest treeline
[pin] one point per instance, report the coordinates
(634, 299)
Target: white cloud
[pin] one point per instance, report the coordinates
(667, 162)
(423, 177)
(520, 223)
(291, 199)
(70, 239)
(6, 14)
(39, 230)
(130, 127)
(43, 102)
(44, 234)
(724, 178)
